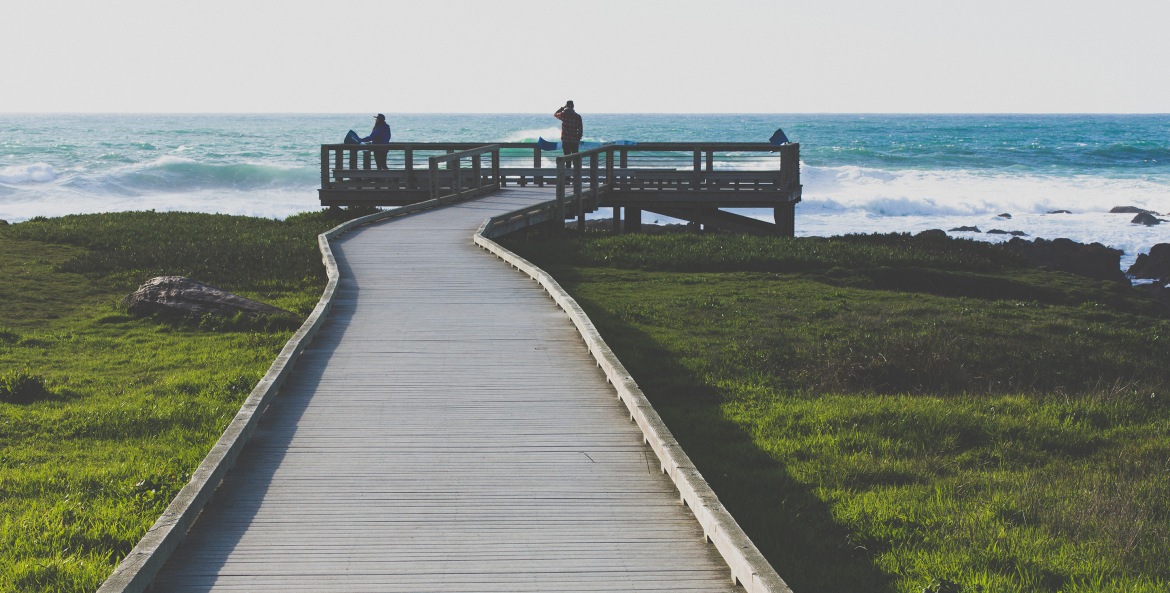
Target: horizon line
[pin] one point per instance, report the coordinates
(974, 113)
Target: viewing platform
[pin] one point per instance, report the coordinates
(692, 181)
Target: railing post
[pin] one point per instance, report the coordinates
(578, 168)
(609, 184)
(594, 182)
(476, 171)
(609, 167)
(434, 178)
(324, 167)
(496, 167)
(698, 175)
(792, 166)
(408, 161)
(457, 184)
(536, 164)
(560, 213)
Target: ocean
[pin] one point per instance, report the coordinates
(1054, 175)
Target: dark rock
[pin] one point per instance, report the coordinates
(1147, 219)
(966, 229)
(1005, 215)
(179, 295)
(1129, 210)
(1003, 232)
(3, 222)
(1065, 255)
(1060, 212)
(933, 234)
(1154, 266)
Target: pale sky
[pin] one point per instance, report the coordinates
(615, 56)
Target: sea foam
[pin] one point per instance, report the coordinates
(174, 174)
(960, 192)
(32, 173)
(550, 133)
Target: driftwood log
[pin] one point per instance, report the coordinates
(182, 296)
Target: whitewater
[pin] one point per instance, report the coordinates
(1046, 176)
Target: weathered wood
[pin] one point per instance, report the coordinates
(423, 443)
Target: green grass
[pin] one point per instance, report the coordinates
(895, 413)
(104, 416)
(880, 413)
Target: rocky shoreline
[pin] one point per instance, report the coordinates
(1092, 260)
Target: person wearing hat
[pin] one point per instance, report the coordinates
(571, 128)
(380, 135)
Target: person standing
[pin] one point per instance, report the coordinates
(571, 128)
(380, 135)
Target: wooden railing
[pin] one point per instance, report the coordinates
(452, 181)
(683, 167)
(710, 169)
(571, 168)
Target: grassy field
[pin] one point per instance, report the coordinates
(104, 416)
(898, 413)
(880, 413)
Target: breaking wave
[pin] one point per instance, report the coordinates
(178, 175)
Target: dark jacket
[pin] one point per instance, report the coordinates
(380, 134)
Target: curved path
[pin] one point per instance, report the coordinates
(447, 430)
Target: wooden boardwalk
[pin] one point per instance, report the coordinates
(447, 430)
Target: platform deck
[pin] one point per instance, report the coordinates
(447, 430)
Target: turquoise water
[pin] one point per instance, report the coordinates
(861, 173)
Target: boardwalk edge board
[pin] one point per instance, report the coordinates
(137, 570)
(748, 566)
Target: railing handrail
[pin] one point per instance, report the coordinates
(703, 152)
(638, 146)
(470, 152)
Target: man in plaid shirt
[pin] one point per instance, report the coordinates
(571, 128)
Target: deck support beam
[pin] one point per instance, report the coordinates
(785, 216)
(633, 220)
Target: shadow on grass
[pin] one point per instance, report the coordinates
(784, 518)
